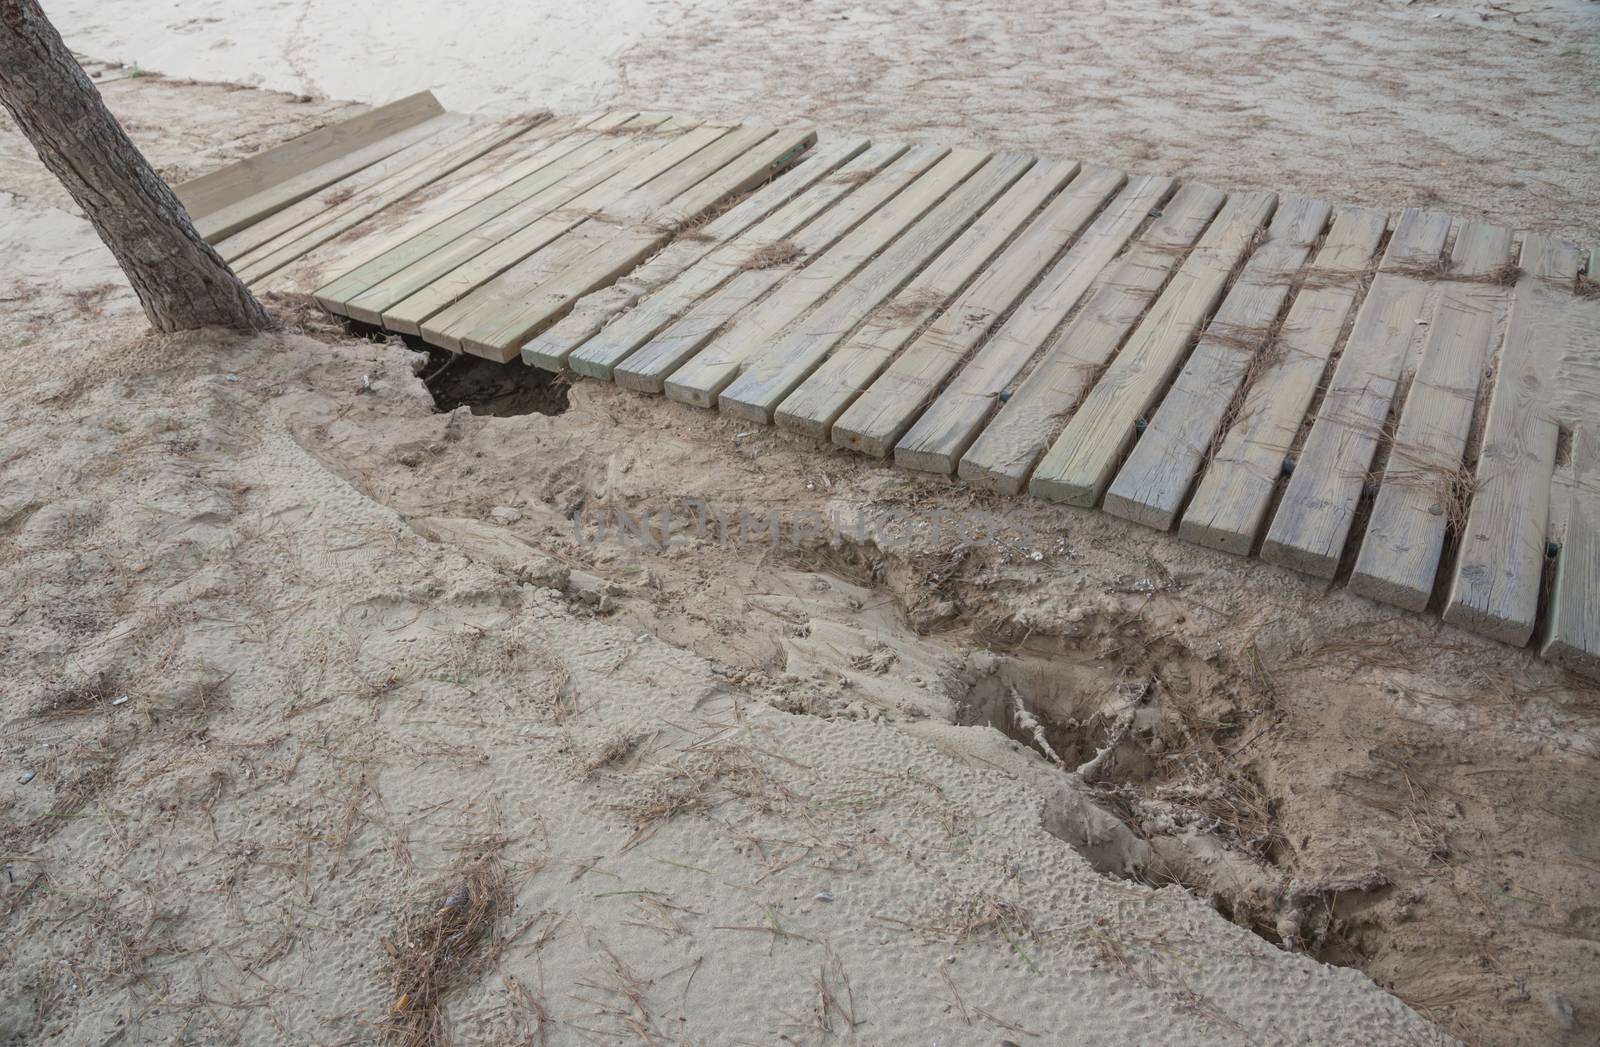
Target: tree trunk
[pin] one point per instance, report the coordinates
(179, 279)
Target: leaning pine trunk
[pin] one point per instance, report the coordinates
(180, 280)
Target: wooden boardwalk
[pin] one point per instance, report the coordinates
(1363, 397)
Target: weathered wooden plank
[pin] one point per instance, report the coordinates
(772, 373)
(1313, 520)
(1004, 454)
(360, 262)
(494, 310)
(576, 228)
(274, 204)
(553, 347)
(938, 439)
(1577, 366)
(440, 132)
(631, 242)
(419, 276)
(1080, 464)
(1423, 491)
(877, 418)
(814, 406)
(1495, 590)
(363, 205)
(507, 163)
(1151, 486)
(388, 180)
(422, 208)
(699, 381)
(470, 324)
(1230, 505)
(619, 340)
(758, 272)
(1574, 636)
(455, 270)
(294, 170)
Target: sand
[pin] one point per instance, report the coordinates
(291, 657)
(1481, 108)
(265, 720)
(477, 57)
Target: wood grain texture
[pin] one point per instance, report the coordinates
(477, 258)
(759, 270)
(1495, 589)
(1422, 488)
(813, 407)
(436, 269)
(495, 303)
(938, 439)
(1230, 505)
(883, 413)
(552, 348)
(1004, 454)
(622, 249)
(422, 208)
(621, 338)
(440, 132)
(422, 141)
(772, 373)
(1573, 639)
(1081, 462)
(370, 260)
(363, 205)
(225, 201)
(1318, 508)
(430, 217)
(487, 320)
(1159, 471)
(699, 381)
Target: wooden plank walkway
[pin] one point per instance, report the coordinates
(1082, 461)
(767, 245)
(1574, 637)
(364, 288)
(416, 167)
(713, 369)
(1033, 415)
(1236, 367)
(1319, 506)
(552, 349)
(1423, 482)
(432, 271)
(937, 440)
(1156, 478)
(1496, 586)
(818, 402)
(891, 404)
(418, 211)
(696, 322)
(1230, 506)
(775, 371)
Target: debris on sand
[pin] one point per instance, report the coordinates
(439, 945)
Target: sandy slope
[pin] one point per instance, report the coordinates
(349, 679)
(264, 720)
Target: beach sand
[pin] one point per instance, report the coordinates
(304, 675)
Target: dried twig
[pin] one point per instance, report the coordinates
(437, 947)
(772, 256)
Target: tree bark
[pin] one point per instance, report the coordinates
(179, 279)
